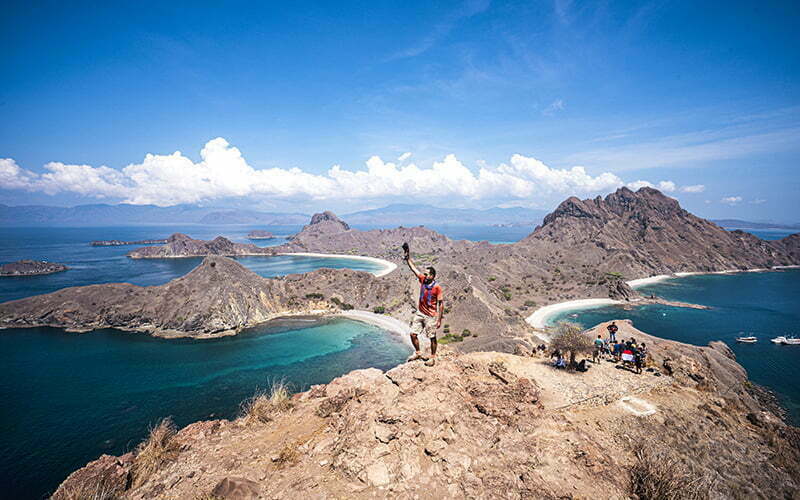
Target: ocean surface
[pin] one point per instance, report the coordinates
(765, 305)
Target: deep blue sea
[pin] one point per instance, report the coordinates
(765, 305)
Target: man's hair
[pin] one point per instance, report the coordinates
(432, 271)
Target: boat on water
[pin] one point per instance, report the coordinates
(747, 340)
(786, 340)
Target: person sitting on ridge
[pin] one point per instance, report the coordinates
(429, 306)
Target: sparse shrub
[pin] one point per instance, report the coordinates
(492, 278)
(656, 475)
(379, 309)
(570, 338)
(287, 456)
(315, 295)
(530, 303)
(154, 452)
(264, 405)
(466, 333)
(449, 339)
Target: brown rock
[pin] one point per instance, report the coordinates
(236, 488)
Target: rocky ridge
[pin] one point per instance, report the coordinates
(485, 425)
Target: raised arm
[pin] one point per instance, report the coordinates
(411, 265)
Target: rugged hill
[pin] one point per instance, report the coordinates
(485, 425)
(31, 268)
(180, 245)
(649, 233)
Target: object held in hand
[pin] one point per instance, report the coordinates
(405, 248)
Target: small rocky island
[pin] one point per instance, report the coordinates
(180, 245)
(259, 234)
(119, 243)
(30, 268)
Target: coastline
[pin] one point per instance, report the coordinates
(388, 323)
(540, 317)
(387, 266)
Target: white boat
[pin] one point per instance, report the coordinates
(786, 340)
(747, 340)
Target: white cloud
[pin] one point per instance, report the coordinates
(224, 173)
(696, 188)
(665, 186)
(557, 105)
(758, 201)
(403, 157)
(731, 200)
(13, 177)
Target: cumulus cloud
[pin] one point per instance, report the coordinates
(665, 186)
(731, 200)
(553, 107)
(223, 172)
(758, 201)
(696, 188)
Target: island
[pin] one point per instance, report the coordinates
(180, 245)
(30, 268)
(259, 234)
(118, 243)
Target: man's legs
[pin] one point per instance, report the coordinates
(434, 344)
(417, 327)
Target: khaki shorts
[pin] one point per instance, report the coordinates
(422, 324)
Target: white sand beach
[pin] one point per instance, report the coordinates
(387, 266)
(648, 281)
(388, 323)
(539, 318)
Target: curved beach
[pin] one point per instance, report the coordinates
(539, 318)
(388, 323)
(387, 267)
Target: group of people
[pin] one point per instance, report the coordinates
(629, 352)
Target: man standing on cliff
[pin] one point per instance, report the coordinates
(428, 316)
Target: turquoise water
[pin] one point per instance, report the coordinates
(765, 305)
(67, 398)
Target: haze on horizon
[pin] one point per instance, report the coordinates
(345, 107)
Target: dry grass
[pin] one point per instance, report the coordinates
(99, 491)
(287, 456)
(264, 405)
(656, 475)
(158, 449)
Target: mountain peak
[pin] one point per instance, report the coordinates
(328, 216)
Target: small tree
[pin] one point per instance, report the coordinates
(570, 338)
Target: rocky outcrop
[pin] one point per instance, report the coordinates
(618, 289)
(30, 268)
(490, 425)
(789, 245)
(180, 245)
(119, 243)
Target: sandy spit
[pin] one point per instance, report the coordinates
(387, 266)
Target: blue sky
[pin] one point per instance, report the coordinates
(348, 105)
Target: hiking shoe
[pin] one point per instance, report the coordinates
(414, 357)
(430, 362)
